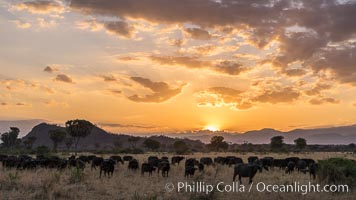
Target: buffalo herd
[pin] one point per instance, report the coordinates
(163, 165)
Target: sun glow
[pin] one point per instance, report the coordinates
(211, 128)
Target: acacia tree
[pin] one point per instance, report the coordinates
(217, 143)
(152, 144)
(300, 143)
(180, 147)
(277, 143)
(57, 136)
(133, 140)
(9, 139)
(78, 129)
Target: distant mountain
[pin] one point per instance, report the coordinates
(25, 126)
(98, 139)
(333, 135)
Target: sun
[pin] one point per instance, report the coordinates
(211, 128)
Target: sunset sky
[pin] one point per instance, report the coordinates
(175, 65)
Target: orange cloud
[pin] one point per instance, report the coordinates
(161, 91)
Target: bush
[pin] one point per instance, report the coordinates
(42, 150)
(338, 171)
(76, 175)
(12, 178)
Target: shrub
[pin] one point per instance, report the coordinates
(76, 175)
(12, 178)
(338, 171)
(42, 150)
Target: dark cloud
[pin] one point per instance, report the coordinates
(64, 78)
(316, 90)
(305, 29)
(50, 69)
(187, 61)
(294, 72)
(109, 78)
(278, 96)
(225, 67)
(119, 28)
(127, 58)
(115, 92)
(116, 125)
(229, 67)
(323, 101)
(161, 91)
(40, 6)
(198, 33)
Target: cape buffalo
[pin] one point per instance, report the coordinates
(108, 167)
(206, 161)
(145, 167)
(246, 170)
(133, 165)
(176, 159)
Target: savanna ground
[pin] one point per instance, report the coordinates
(71, 184)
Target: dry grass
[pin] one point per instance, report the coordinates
(68, 184)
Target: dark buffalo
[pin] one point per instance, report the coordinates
(280, 163)
(191, 162)
(246, 170)
(96, 162)
(84, 159)
(293, 159)
(301, 166)
(176, 159)
(206, 161)
(232, 160)
(164, 166)
(290, 167)
(312, 169)
(309, 161)
(201, 167)
(252, 159)
(220, 160)
(117, 159)
(145, 167)
(108, 167)
(189, 171)
(133, 165)
(267, 161)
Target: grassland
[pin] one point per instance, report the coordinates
(72, 184)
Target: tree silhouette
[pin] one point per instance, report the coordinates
(180, 147)
(78, 129)
(151, 144)
(217, 143)
(9, 139)
(300, 143)
(57, 136)
(133, 140)
(277, 143)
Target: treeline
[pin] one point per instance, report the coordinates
(75, 130)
